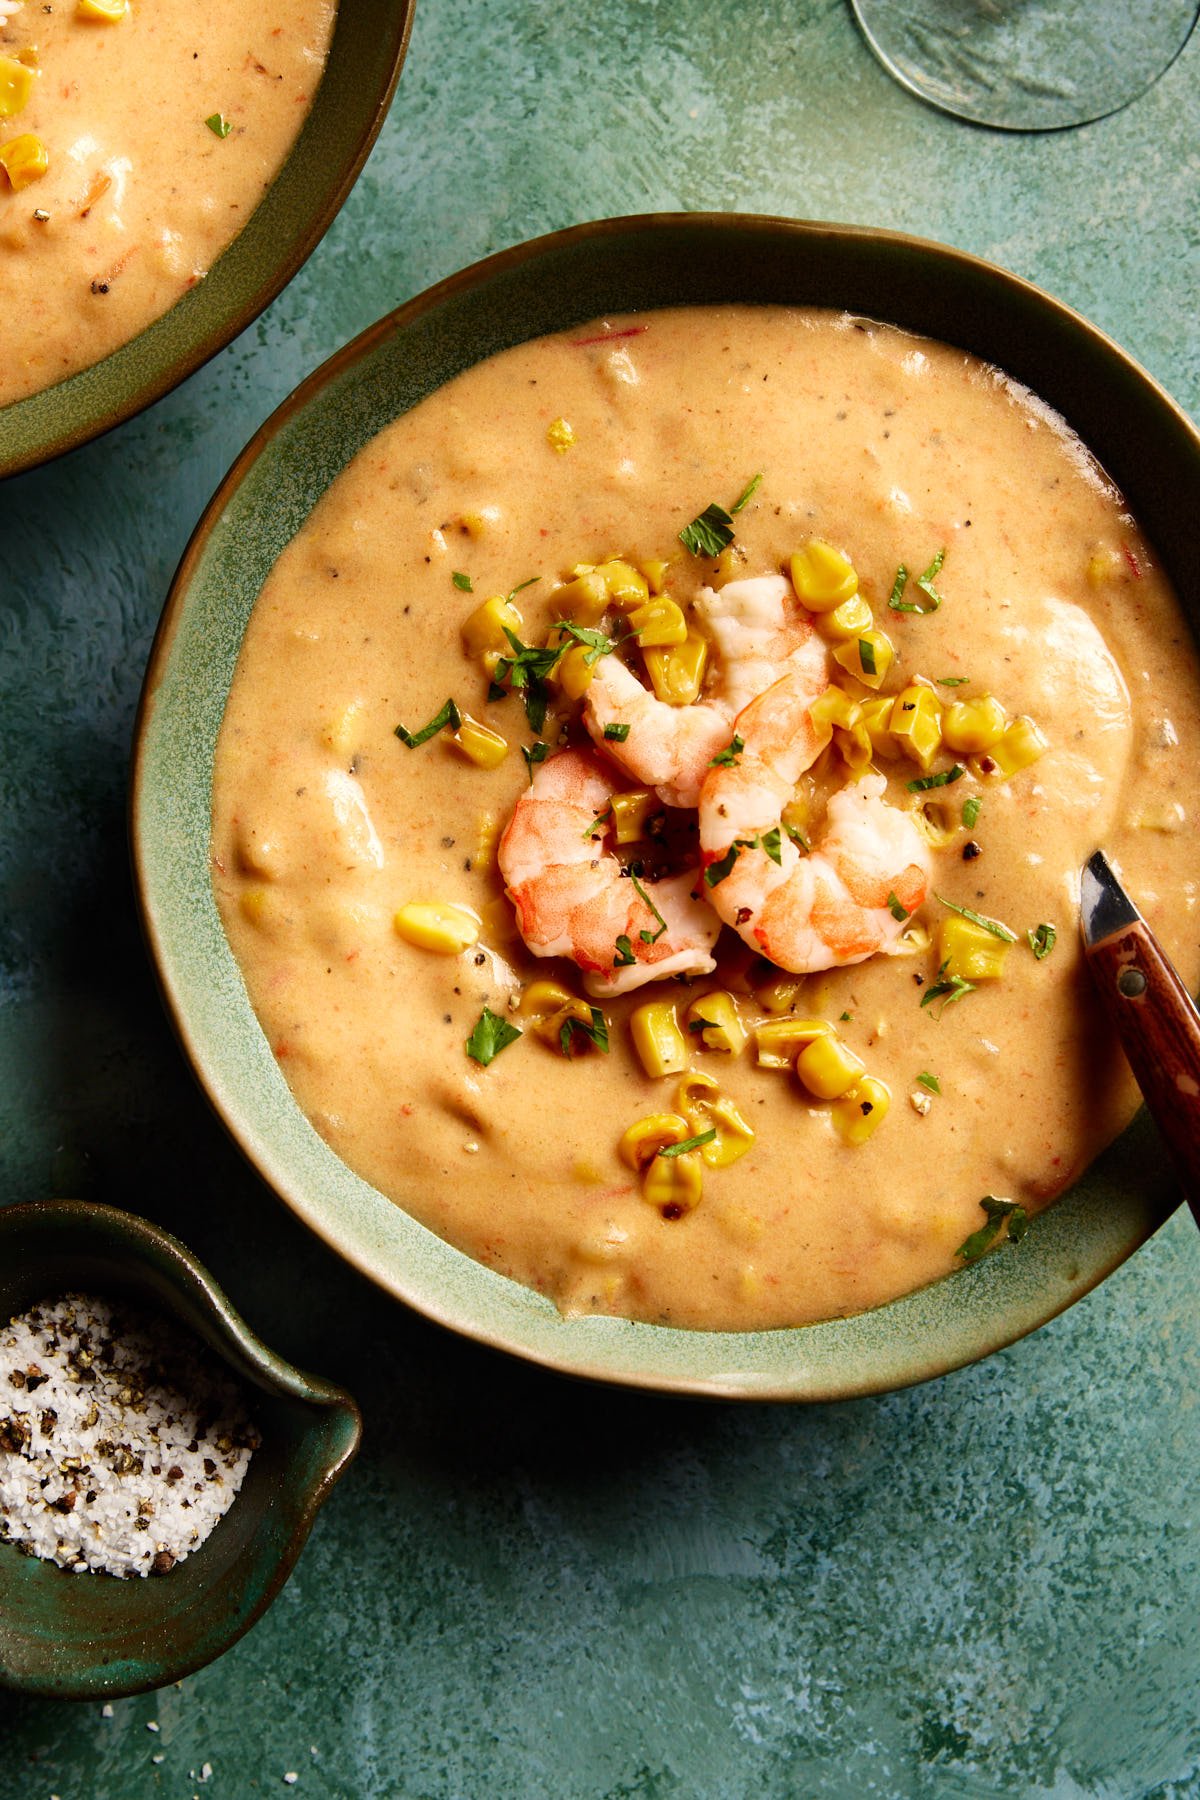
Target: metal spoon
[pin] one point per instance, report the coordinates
(1152, 1011)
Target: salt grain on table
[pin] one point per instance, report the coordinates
(121, 1443)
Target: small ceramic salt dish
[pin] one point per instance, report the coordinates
(72, 1635)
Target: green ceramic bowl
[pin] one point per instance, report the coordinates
(365, 58)
(1147, 444)
(70, 1636)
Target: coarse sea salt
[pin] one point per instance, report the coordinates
(122, 1442)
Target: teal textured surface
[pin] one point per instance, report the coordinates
(985, 1587)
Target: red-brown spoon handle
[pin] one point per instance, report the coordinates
(1159, 1029)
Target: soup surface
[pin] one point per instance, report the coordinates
(990, 1071)
(160, 131)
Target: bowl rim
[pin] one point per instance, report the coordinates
(994, 1328)
(141, 1242)
(95, 417)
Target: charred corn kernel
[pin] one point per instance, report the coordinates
(437, 925)
(627, 586)
(574, 673)
(483, 631)
(916, 724)
(341, 732)
(23, 159)
(674, 1184)
(778, 1042)
(582, 600)
(938, 822)
(776, 993)
(700, 1100)
(822, 577)
(631, 811)
(854, 748)
(876, 721)
(16, 85)
(1021, 745)
(862, 1111)
(659, 624)
(481, 745)
(560, 436)
(676, 675)
(835, 707)
(643, 1140)
(1106, 565)
(867, 656)
(968, 951)
(658, 1039)
(715, 1022)
(655, 572)
(847, 620)
(972, 725)
(549, 1006)
(828, 1068)
(107, 10)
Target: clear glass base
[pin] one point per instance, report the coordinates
(1027, 65)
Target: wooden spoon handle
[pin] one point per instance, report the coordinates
(1159, 1029)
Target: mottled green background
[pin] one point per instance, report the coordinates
(986, 1587)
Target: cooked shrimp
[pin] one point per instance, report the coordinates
(573, 898)
(758, 631)
(850, 895)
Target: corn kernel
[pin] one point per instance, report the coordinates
(778, 1042)
(655, 572)
(847, 620)
(674, 1184)
(914, 940)
(16, 85)
(658, 1039)
(969, 951)
(341, 733)
(641, 1143)
(828, 1067)
(822, 577)
(798, 810)
(481, 745)
(677, 674)
(659, 624)
(549, 1006)
(483, 631)
(938, 823)
(728, 565)
(715, 1022)
(876, 720)
(854, 748)
(261, 907)
(560, 436)
(477, 522)
(867, 656)
(24, 159)
(437, 925)
(776, 993)
(110, 11)
(487, 834)
(700, 1100)
(574, 673)
(631, 812)
(916, 724)
(834, 707)
(1106, 565)
(627, 586)
(583, 600)
(973, 725)
(1021, 745)
(862, 1111)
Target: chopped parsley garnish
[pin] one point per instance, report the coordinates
(446, 715)
(798, 838)
(769, 841)
(929, 1081)
(699, 1025)
(598, 642)
(897, 907)
(725, 759)
(748, 492)
(496, 691)
(649, 937)
(1000, 1214)
(462, 581)
(624, 957)
(1042, 940)
(692, 1143)
(598, 822)
(596, 1033)
(971, 810)
(617, 733)
(219, 125)
(947, 988)
(716, 872)
(952, 680)
(843, 1017)
(534, 754)
(491, 1035)
(526, 672)
(866, 656)
(529, 581)
(993, 925)
(924, 782)
(896, 597)
(924, 582)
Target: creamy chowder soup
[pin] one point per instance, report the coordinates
(909, 664)
(136, 139)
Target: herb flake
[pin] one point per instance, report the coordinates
(649, 937)
(462, 581)
(929, 1081)
(725, 759)
(595, 1033)
(747, 494)
(709, 533)
(692, 1143)
(942, 779)
(534, 754)
(219, 125)
(624, 958)
(971, 810)
(491, 1035)
(947, 989)
(995, 926)
(616, 733)
(1042, 940)
(897, 907)
(446, 715)
(1005, 1221)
